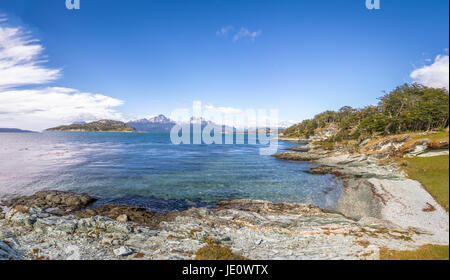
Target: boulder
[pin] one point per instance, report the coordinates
(20, 218)
(122, 218)
(123, 251)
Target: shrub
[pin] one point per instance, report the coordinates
(213, 251)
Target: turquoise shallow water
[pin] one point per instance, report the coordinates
(147, 170)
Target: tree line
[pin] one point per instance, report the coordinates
(408, 108)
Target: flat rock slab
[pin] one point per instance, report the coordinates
(261, 206)
(434, 153)
(407, 204)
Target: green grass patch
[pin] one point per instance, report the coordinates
(432, 173)
(426, 252)
(439, 135)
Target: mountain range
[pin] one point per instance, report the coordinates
(158, 123)
(14, 130)
(161, 123)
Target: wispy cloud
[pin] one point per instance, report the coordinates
(239, 34)
(21, 59)
(244, 32)
(224, 31)
(22, 63)
(434, 75)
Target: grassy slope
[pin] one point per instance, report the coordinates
(433, 174)
(426, 252)
(440, 135)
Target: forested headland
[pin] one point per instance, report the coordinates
(408, 108)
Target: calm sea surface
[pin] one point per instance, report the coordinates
(147, 170)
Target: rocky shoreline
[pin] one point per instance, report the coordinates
(375, 188)
(254, 229)
(379, 208)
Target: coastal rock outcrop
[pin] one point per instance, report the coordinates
(295, 156)
(254, 229)
(327, 132)
(409, 145)
(300, 149)
(375, 189)
(57, 201)
(261, 206)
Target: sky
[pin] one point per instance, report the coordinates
(126, 60)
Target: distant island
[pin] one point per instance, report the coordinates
(98, 126)
(14, 130)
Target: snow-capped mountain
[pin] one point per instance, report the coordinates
(286, 124)
(157, 119)
(159, 123)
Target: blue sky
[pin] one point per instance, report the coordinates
(304, 56)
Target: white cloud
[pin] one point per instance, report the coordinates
(21, 60)
(21, 64)
(244, 32)
(39, 109)
(434, 75)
